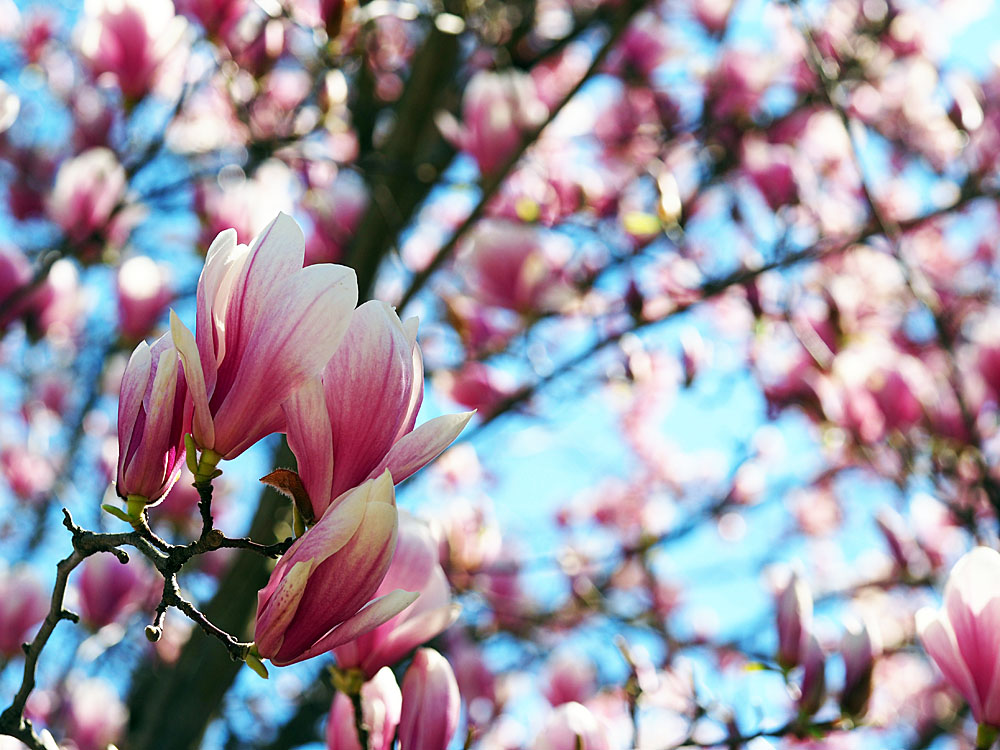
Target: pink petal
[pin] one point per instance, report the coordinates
(368, 383)
(370, 616)
(223, 261)
(202, 426)
(133, 389)
(311, 439)
(939, 641)
(309, 313)
(416, 450)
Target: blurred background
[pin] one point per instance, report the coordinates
(720, 278)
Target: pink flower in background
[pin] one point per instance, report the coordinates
(813, 687)
(962, 637)
(318, 594)
(143, 294)
(497, 109)
(414, 567)
(15, 274)
(109, 590)
(571, 726)
(218, 17)
(381, 706)
(88, 187)
(357, 419)
(431, 703)
(860, 647)
(95, 714)
(515, 266)
(569, 677)
(129, 40)
(154, 414)
(477, 386)
(29, 475)
(336, 213)
(794, 616)
(265, 326)
(23, 604)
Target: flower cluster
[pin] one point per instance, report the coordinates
(279, 347)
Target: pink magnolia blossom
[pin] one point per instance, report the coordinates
(514, 266)
(381, 706)
(318, 594)
(497, 109)
(129, 40)
(478, 386)
(336, 214)
(15, 274)
(813, 687)
(794, 616)
(571, 726)
(414, 567)
(154, 414)
(95, 715)
(963, 637)
(219, 17)
(431, 703)
(265, 326)
(860, 646)
(108, 590)
(568, 678)
(357, 419)
(29, 475)
(143, 294)
(86, 191)
(23, 604)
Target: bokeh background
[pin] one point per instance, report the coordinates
(719, 276)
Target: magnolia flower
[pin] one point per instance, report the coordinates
(431, 703)
(86, 191)
(571, 726)
(357, 419)
(130, 40)
(265, 326)
(109, 589)
(794, 616)
(154, 414)
(962, 637)
(318, 594)
(414, 567)
(23, 604)
(143, 291)
(381, 704)
(497, 109)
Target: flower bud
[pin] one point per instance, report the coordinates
(794, 617)
(431, 703)
(414, 567)
(381, 704)
(860, 646)
(318, 594)
(23, 604)
(154, 414)
(143, 294)
(86, 191)
(109, 589)
(569, 678)
(813, 688)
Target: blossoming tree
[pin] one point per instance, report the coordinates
(621, 374)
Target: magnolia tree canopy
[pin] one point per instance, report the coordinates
(620, 373)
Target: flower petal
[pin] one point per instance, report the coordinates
(311, 439)
(202, 425)
(368, 617)
(133, 388)
(939, 641)
(420, 447)
(309, 313)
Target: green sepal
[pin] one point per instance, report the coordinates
(117, 513)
